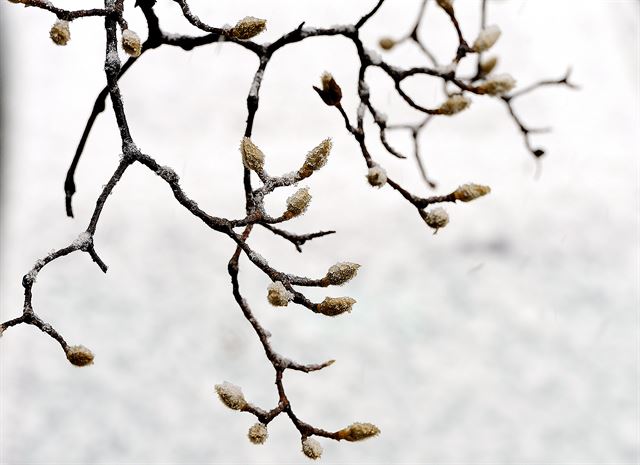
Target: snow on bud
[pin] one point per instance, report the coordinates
(387, 43)
(248, 28)
(131, 43)
(60, 33)
(377, 176)
(311, 448)
(469, 192)
(258, 433)
(252, 156)
(341, 272)
(358, 432)
(486, 66)
(487, 37)
(497, 85)
(454, 104)
(231, 395)
(331, 93)
(79, 355)
(333, 306)
(278, 295)
(316, 158)
(298, 202)
(436, 218)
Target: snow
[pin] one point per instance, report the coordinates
(510, 337)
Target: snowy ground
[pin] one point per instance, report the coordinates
(510, 337)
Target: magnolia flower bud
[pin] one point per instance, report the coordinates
(332, 306)
(258, 433)
(277, 294)
(298, 202)
(486, 66)
(487, 37)
(331, 93)
(311, 448)
(358, 432)
(79, 355)
(387, 43)
(60, 33)
(469, 192)
(377, 176)
(454, 104)
(497, 85)
(446, 5)
(248, 28)
(316, 158)
(252, 156)
(131, 43)
(341, 272)
(436, 218)
(231, 395)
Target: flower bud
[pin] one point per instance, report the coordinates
(497, 85)
(469, 192)
(331, 93)
(60, 33)
(486, 66)
(79, 355)
(311, 448)
(341, 272)
(487, 37)
(298, 202)
(131, 43)
(258, 433)
(377, 176)
(454, 104)
(358, 432)
(252, 156)
(248, 28)
(332, 306)
(387, 43)
(436, 218)
(316, 158)
(278, 295)
(231, 395)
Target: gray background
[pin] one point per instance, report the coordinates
(509, 337)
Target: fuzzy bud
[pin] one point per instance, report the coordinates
(488, 65)
(377, 176)
(60, 33)
(387, 43)
(358, 432)
(469, 192)
(331, 93)
(79, 356)
(487, 37)
(333, 306)
(316, 158)
(454, 104)
(248, 28)
(252, 156)
(497, 85)
(231, 395)
(436, 218)
(258, 433)
(311, 448)
(131, 43)
(278, 295)
(298, 202)
(341, 272)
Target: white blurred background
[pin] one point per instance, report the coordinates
(512, 336)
